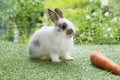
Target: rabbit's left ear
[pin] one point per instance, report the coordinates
(59, 12)
(53, 15)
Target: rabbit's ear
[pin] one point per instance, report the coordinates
(59, 12)
(53, 15)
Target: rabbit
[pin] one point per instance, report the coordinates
(52, 43)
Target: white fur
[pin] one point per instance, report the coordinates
(53, 44)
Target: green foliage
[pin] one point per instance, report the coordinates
(97, 26)
(94, 24)
(25, 14)
(5, 13)
(10, 33)
(115, 7)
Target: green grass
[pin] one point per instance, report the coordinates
(15, 64)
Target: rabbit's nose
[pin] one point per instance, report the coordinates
(69, 32)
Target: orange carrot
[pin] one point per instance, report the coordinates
(100, 60)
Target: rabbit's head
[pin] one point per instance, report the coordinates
(62, 24)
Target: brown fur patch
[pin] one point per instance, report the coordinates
(36, 43)
(69, 32)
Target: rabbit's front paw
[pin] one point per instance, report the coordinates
(68, 58)
(55, 58)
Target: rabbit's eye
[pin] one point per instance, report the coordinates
(64, 26)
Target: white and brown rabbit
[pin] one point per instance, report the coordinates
(53, 42)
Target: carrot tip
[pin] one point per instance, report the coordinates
(117, 70)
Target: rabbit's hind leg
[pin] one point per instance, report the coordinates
(45, 57)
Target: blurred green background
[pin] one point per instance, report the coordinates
(94, 23)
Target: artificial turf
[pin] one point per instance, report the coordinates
(16, 65)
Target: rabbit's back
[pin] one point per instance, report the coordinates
(39, 42)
